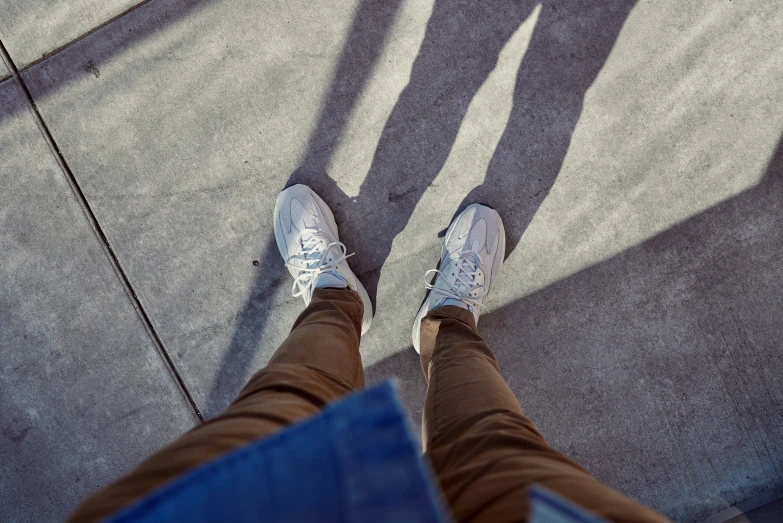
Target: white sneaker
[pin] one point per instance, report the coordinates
(307, 238)
(472, 255)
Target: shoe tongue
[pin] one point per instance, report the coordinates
(460, 264)
(473, 255)
(314, 252)
(459, 285)
(329, 280)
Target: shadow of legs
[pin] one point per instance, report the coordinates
(460, 48)
(568, 48)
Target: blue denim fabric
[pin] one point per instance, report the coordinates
(355, 461)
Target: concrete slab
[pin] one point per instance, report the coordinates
(34, 28)
(592, 129)
(85, 396)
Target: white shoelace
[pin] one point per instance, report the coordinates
(311, 262)
(464, 267)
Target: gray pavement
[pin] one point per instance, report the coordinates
(633, 150)
(84, 394)
(34, 29)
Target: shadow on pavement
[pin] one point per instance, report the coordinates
(462, 42)
(461, 45)
(663, 362)
(569, 45)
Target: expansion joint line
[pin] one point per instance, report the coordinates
(101, 235)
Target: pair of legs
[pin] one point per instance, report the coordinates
(484, 452)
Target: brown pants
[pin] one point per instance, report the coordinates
(483, 450)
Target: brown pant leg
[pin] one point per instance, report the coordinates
(484, 451)
(317, 363)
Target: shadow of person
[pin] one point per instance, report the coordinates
(570, 44)
(461, 46)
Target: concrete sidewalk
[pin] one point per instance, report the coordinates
(632, 148)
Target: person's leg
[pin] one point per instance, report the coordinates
(318, 363)
(484, 451)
